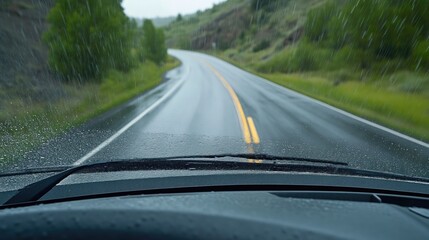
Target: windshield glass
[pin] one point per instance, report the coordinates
(102, 80)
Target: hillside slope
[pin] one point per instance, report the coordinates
(24, 57)
(236, 26)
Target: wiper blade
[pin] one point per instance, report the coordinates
(268, 157)
(36, 190)
(33, 192)
(255, 156)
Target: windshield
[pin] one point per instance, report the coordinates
(96, 81)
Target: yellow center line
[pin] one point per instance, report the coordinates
(237, 104)
(254, 161)
(247, 125)
(253, 131)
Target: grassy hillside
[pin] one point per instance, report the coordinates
(338, 51)
(186, 32)
(241, 31)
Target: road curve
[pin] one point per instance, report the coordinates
(208, 106)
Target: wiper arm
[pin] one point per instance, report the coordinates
(36, 190)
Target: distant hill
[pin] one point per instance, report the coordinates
(162, 21)
(158, 22)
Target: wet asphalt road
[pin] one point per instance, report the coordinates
(207, 106)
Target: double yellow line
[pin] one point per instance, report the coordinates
(250, 134)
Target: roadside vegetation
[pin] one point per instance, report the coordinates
(370, 58)
(98, 58)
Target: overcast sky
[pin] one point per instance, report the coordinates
(164, 8)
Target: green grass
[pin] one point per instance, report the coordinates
(119, 87)
(405, 112)
(25, 126)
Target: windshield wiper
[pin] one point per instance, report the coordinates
(33, 192)
(267, 157)
(36, 190)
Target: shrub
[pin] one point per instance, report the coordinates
(421, 55)
(316, 26)
(305, 58)
(342, 76)
(349, 57)
(261, 46)
(383, 27)
(302, 58)
(407, 81)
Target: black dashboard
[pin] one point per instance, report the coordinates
(225, 206)
(219, 215)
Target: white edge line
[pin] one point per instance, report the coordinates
(398, 134)
(132, 122)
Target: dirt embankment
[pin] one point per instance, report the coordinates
(222, 31)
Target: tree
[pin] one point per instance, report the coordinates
(86, 38)
(161, 49)
(153, 43)
(149, 40)
(179, 17)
